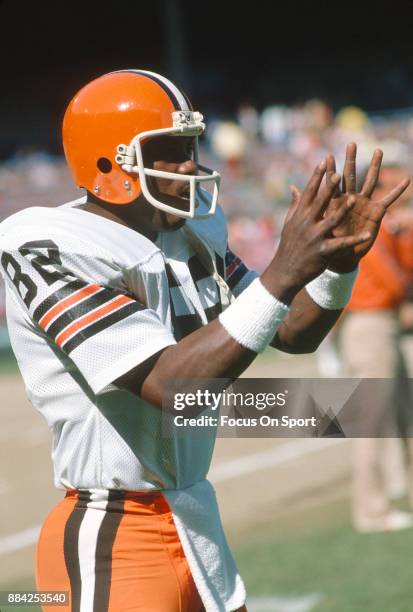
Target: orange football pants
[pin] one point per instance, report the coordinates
(119, 554)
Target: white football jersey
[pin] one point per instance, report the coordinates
(88, 299)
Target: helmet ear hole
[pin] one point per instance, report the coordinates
(104, 164)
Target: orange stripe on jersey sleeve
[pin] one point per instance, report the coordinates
(68, 301)
(89, 318)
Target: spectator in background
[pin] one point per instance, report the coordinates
(403, 217)
(248, 118)
(369, 346)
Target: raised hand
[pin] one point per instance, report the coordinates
(366, 214)
(308, 243)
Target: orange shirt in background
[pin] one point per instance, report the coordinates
(385, 272)
(405, 249)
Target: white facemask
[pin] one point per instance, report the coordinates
(130, 158)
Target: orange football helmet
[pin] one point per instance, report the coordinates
(108, 121)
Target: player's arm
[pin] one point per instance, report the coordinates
(225, 347)
(305, 326)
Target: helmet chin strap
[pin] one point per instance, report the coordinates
(130, 158)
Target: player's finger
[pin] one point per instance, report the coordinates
(325, 195)
(394, 193)
(372, 175)
(330, 171)
(330, 163)
(313, 184)
(349, 172)
(338, 216)
(331, 246)
(296, 194)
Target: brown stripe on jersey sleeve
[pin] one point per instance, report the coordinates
(56, 297)
(84, 305)
(92, 328)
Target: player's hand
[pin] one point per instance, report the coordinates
(366, 214)
(307, 243)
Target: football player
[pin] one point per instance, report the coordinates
(113, 295)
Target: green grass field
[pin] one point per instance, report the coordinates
(8, 363)
(317, 551)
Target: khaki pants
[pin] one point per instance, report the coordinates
(369, 350)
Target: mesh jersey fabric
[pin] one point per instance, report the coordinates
(88, 299)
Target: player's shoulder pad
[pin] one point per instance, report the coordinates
(17, 225)
(77, 231)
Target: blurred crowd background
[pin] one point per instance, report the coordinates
(259, 155)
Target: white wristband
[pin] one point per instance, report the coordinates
(332, 290)
(254, 317)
